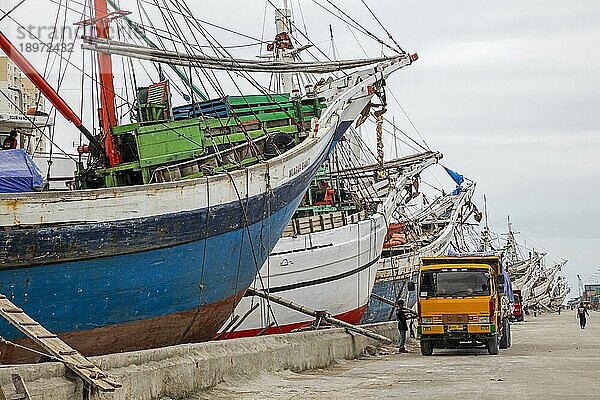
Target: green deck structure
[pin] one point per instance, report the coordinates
(158, 140)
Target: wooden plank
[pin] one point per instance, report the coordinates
(23, 319)
(75, 361)
(297, 227)
(304, 224)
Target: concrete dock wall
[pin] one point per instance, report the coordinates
(177, 371)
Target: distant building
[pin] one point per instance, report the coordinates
(22, 108)
(10, 77)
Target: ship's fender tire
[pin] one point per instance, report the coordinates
(277, 144)
(493, 345)
(505, 337)
(426, 347)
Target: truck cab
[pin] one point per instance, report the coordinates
(460, 302)
(518, 312)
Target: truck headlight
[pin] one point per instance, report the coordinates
(427, 320)
(484, 320)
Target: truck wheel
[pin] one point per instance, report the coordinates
(504, 338)
(492, 345)
(426, 347)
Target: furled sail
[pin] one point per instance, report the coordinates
(230, 64)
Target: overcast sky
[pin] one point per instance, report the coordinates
(509, 91)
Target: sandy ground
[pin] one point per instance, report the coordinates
(551, 358)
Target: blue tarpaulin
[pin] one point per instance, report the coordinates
(18, 172)
(508, 290)
(456, 177)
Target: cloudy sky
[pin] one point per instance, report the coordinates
(509, 91)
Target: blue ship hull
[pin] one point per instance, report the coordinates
(393, 290)
(200, 281)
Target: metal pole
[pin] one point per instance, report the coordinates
(315, 314)
(240, 322)
(383, 299)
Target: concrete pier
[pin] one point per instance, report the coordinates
(551, 358)
(179, 371)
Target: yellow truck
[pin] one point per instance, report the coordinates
(460, 301)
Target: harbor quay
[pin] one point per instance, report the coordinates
(177, 372)
(550, 358)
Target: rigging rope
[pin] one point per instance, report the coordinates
(409, 119)
(357, 25)
(383, 27)
(6, 14)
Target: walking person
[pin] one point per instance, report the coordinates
(582, 314)
(402, 326)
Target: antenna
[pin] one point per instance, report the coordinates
(332, 42)
(487, 227)
(486, 230)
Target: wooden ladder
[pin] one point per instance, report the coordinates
(61, 351)
(21, 392)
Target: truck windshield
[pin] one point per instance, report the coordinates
(455, 283)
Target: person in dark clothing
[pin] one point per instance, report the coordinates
(582, 314)
(11, 141)
(402, 326)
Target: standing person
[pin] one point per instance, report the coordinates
(402, 326)
(11, 141)
(582, 313)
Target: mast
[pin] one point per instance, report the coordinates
(380, 154)
(108, 113)
(48, 91)
(150, 43)
(283, 44)
(487, 245)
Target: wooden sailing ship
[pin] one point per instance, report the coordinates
(174, 213)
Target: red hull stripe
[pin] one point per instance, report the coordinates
(352, 317)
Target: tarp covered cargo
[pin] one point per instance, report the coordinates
(18, 172)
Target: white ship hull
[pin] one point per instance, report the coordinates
(332, 270)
